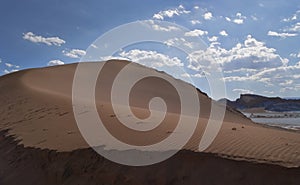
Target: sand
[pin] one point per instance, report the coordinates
(38, 128)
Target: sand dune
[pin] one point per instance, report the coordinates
(36, 110)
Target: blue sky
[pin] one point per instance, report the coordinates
(255, 42)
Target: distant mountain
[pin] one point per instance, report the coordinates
(247, 101)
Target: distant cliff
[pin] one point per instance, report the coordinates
(277, 104)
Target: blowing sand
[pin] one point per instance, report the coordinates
(38, 128)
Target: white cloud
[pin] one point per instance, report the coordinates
(292, 18)
(282, 35)
(208, 16)
(228, 19)
(295, 55)
(158, 16)
(251, 54)
(213, 38)
(106, 58)
(246, 71)
(195, 33)
(223, 33)
(286, 82)
(171, 13)
(9, 65)
(254, 18)
(160, 27)
(289, 89)
(186, 75)
(214, 44)
(6, 71)
(74, 53)
(151, 58)
(197, 75)
(46, 40)
(284, 76)
(236, 78)
(55, 62)
(177, 42)
(296, 76)
(194, 22)
(268, 92)
(243, 91)
(11, 68)
(237, 19)
(94, 46)
(294, 28)
(201, 75)
(239, 15)
(196, 7)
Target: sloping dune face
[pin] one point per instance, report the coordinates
(37, 110)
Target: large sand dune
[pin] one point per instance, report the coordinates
(36, 113)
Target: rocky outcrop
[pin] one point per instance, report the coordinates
(277, 104)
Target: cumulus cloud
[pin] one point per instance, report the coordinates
(213, 38)
(195, 33)
(237, 19)
(106, 58)
(56, 41)
(283, 75)
(177, 42)
(171, 13)
(186, 75)
(194, 22)
(252, 54)
(6, 71)
(151, 58)
(282, 35)
(74, 53)
(228, 19)
(243, 91)
(282, 79)
(295, 55)
(10, 68)
(197, 75)
(292, 18)
(164, 28)
(286, 82)
(9, 65)
(239, 15)
(254, 18)
(207, 16)
(94, 46)
(294, 28)
(223, 33)
(160, 27)
(55, 62)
